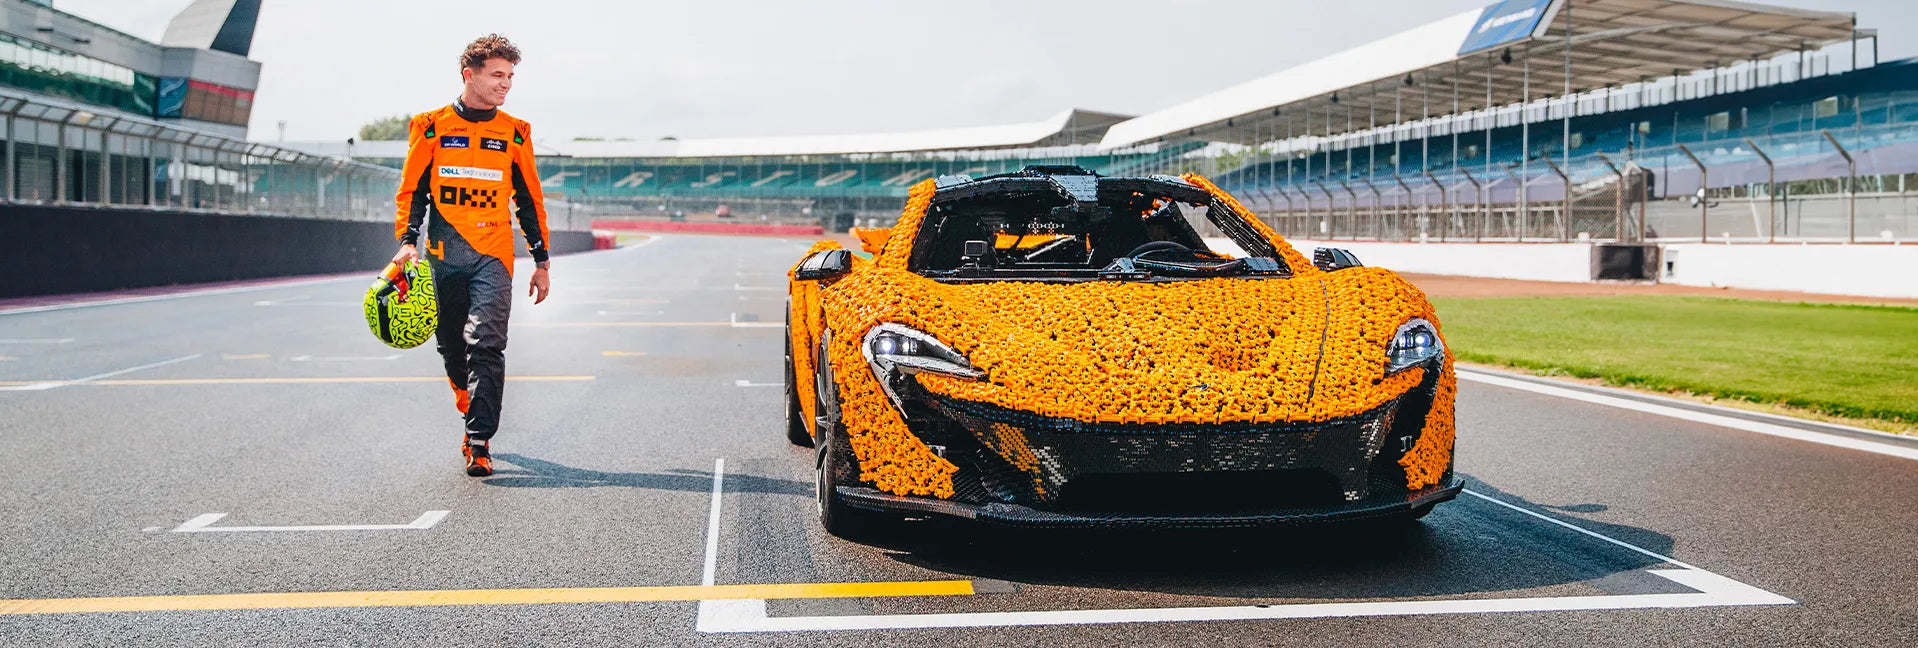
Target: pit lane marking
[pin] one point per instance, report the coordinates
(1710, 590)
(93, 379)
(204, 524)
(644, 240)
(710, 570)
(1694, 416)
(705, 591)
(178, 295)
(435, 598)
(749, 615)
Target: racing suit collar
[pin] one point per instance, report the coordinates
(473, 115)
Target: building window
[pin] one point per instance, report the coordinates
(34, 67)
(192, 99)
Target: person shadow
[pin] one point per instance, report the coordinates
(529, 472)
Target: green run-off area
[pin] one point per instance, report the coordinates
(1843, 360)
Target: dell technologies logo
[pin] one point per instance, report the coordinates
(1502, 21)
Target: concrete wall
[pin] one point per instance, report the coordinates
(60, 249)
(1533, 261)
(1866, 270)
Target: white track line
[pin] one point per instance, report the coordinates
(203, 524)
(36, 340)
(650, 239)
(1712, 591)
(81, 381)
(711, 571)
(1585, 531)
(178, 295)
(1735, 423)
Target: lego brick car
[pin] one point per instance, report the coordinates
(1056, 348)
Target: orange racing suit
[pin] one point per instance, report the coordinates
(468, 170)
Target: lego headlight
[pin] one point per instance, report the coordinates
(894, 350)
(1415, 343)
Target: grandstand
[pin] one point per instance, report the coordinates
(1455, 130)
(1762, 142)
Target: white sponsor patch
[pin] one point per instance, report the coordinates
(471, 172)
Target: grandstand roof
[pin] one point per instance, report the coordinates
(1612, 42)
(1070, 126)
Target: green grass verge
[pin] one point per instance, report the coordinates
(1840, 360)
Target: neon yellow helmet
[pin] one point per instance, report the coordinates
(401, 307)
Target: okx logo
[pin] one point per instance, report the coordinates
(464, 197)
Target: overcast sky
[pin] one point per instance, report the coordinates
(720, 68)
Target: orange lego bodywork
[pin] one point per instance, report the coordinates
(872, 239)
(1311, 348)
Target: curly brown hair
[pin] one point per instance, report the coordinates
(488, 47)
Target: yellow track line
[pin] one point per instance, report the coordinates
(279, 381)
(535, 596)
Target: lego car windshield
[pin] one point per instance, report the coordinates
(1052, 226)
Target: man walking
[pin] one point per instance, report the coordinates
(469, 170)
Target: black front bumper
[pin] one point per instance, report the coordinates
(1025, 470)
(1018, 515)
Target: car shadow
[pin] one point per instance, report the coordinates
(529, 472)
(1464, 547)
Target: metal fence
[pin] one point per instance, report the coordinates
(64, 153)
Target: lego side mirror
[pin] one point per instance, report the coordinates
(824, 265)
(1330, 259)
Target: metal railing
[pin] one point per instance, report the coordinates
(1809, 187)
(61, 153)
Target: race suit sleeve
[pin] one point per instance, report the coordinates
(530, 204)
(416, 191)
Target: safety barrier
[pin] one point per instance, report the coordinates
(86, 248)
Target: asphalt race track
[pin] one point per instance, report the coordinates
(253, 468)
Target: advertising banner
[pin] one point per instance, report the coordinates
(1504, 23)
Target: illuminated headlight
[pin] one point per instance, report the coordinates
(894, 350)
(1416, 342)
